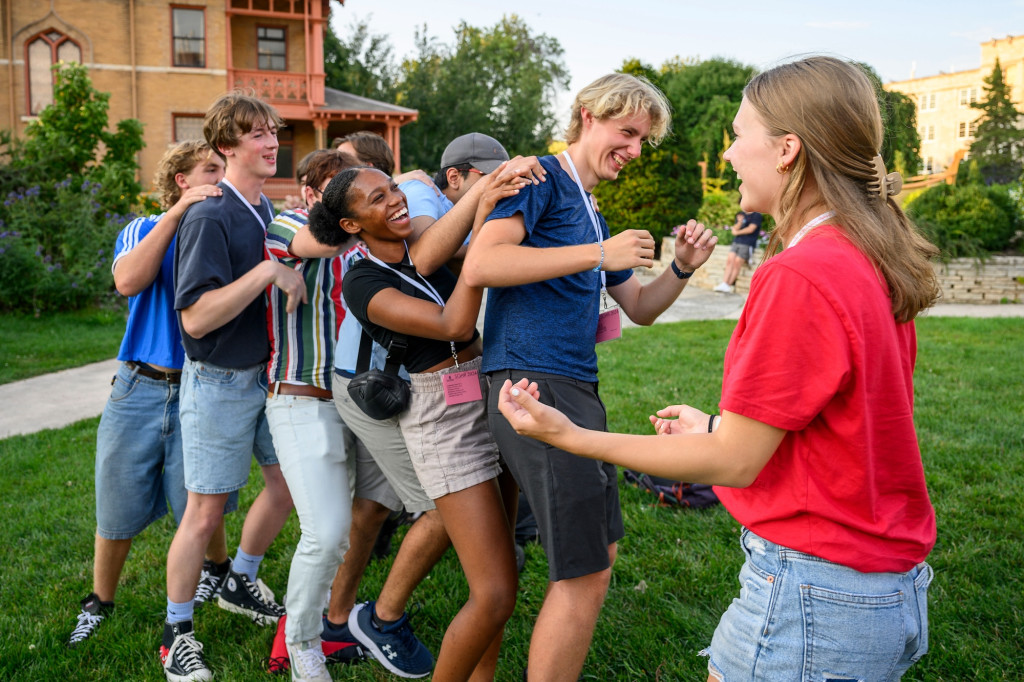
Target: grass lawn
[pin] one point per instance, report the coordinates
(30, 346)
(676, 571)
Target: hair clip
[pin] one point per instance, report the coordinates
(884, 185)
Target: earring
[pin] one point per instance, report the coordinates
(782, 168)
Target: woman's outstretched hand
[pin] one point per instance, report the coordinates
(528, 416)
(676, 419)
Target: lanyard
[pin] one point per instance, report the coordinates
(588, 205)
(810, 226)
(246, 202)
(426, 287)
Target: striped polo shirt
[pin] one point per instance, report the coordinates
(302, 344)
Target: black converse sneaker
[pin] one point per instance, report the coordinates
(182, 655)
(93, 613)
(210, 581)
(253, 599)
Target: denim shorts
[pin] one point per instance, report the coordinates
(139, 469)
(450, 445)
(799, 617)
(223, 425)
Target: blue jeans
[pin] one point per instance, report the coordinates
(310, 438)
(223, 425)
(799, 617)
(139, 468)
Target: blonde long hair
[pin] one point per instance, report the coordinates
(832, 107)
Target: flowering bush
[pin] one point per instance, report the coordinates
(62, 202)
(55, 255)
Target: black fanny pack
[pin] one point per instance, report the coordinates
(380, 395)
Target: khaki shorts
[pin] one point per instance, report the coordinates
(450, 445)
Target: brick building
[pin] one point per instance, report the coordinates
(945, 120)
(164, 62)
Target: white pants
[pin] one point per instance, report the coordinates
(310, 438)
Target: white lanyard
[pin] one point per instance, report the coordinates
(246, 202)
(426, 288)
(429, 290)
(589, 207)
(810, 226)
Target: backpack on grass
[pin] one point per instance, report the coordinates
(673, 493)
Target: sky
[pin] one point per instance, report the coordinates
(899, 38)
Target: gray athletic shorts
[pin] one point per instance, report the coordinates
(574, 499)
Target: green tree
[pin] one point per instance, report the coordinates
(706, 96)
(660, 189)
(361, 63)
(999, 143)
(901, 144)
(68, 136)
(501, 81)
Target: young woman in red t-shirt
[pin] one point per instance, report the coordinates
(814, 452)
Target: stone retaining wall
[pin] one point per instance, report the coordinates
(1000, 279)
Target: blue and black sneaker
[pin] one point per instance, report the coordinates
(394, 645)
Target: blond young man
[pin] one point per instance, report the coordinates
(548, 257)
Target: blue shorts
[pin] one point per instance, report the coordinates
(223, 424)
(799, 617)
(139, 468)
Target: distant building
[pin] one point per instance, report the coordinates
(945, 120)
(165, 61)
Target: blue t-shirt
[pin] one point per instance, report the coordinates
(748, 220)
(548, 326)
(423, 200)
(219, 240)
(151, 335)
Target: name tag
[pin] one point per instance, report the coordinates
(461, 387)
(609, 325)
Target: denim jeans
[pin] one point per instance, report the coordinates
(800, 617)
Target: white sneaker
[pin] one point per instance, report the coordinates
(725, 288)
(307, 662)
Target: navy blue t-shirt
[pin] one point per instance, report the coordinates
(748, 220)
(219, 240)
(548, 326)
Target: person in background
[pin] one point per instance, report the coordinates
(815, 452)
(745, 232)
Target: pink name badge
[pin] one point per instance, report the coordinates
(609, 325)
(461, 387)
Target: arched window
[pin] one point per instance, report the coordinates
(43, 51)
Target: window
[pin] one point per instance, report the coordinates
(271, 48)
(926, 102)
(927, 165)
(966, 129)
(285, 154)
(188, 127)
(43, 52)
(926, 132)
(968, 96)
(189, 31)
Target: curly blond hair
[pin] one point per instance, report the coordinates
(181, 158)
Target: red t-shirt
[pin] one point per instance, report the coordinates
(818, 353)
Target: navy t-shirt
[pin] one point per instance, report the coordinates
(219, 240)
(548, 326)
(750, 239)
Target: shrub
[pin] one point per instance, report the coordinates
(966, 220)
(55, 254)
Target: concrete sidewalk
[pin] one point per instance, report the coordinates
(55, 400)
